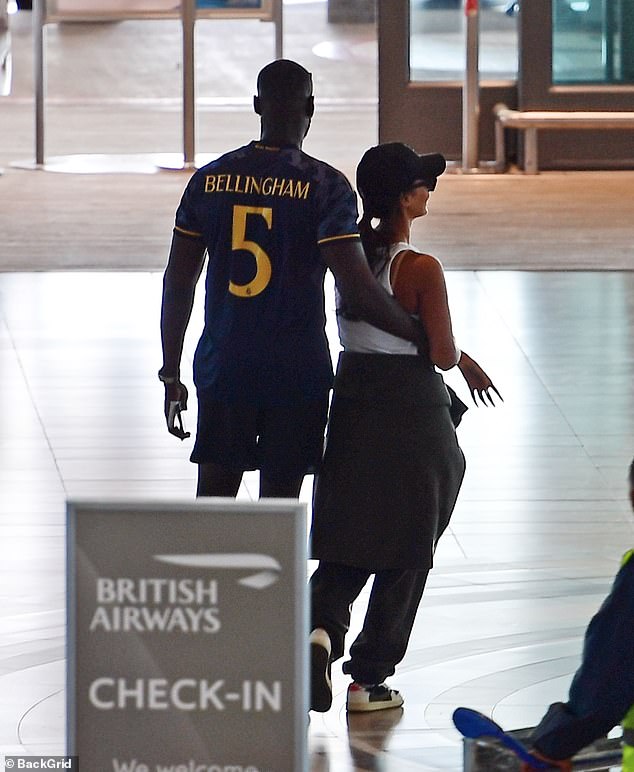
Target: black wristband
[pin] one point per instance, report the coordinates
(168, 379)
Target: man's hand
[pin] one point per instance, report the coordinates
(363, 295)
(175, 402)
(564, 766)
(477, 380)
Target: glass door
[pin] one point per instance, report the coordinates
(592, 42)
(422, 54)
(578, 55)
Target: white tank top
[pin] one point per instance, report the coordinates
(367, 339)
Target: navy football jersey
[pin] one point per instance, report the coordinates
(262, 213)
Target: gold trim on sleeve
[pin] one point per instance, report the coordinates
(337, 238)
(187, 233)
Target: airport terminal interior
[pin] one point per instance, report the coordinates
(540, 276)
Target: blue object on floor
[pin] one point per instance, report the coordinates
(474, 725)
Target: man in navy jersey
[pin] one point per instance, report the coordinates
(271, 220)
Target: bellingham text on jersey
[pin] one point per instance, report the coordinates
(264, 186)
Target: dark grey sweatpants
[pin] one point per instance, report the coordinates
(389, 619)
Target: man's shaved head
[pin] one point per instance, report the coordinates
(284, 81)
(284, 102)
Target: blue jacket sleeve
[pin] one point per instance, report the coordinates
(602, 689)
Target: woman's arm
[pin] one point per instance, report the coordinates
(418, 283)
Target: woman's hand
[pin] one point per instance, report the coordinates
(478, 381)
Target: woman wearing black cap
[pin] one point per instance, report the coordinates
(392, 467)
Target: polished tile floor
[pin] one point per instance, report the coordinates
(542, 518)
(537, 534)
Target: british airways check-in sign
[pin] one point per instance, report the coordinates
(187, 636)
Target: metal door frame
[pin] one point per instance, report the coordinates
(403, 104)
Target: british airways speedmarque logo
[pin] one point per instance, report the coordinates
(267, 569)
(176, 605)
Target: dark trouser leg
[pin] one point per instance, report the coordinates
(388, 623)
(333, 589)
(217, 480)
(280, 489)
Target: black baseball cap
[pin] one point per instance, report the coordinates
(387, 170)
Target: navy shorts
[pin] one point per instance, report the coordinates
(284, 443)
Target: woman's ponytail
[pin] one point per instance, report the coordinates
(375, 243)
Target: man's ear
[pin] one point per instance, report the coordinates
(310, 106)
(256, 105)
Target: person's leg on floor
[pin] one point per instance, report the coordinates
(333, 589)
(383, 641)
(217, 480)
(289, 446)
(225, 445)
(280, 489)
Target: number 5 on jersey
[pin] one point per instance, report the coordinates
(239, 241)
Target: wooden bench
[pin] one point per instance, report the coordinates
(530, 121)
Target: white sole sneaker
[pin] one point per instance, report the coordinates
(362, 699)
(320, 683)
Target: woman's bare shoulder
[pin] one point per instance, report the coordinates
(416, 272)
(413, 261)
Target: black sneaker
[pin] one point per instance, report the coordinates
(377, 697)
(320, 683)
